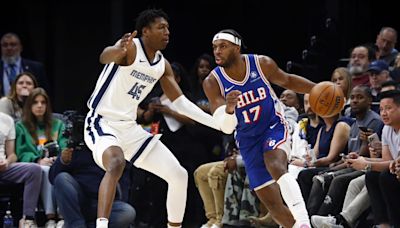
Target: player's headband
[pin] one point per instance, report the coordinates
(229, 37)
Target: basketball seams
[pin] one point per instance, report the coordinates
(319, 96)
(326, 99)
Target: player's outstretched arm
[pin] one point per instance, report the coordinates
(123, 52)
(288, 81)
(181, 103)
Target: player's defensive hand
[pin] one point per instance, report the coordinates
(126, 41)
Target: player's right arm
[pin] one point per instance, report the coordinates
(223, 109)
(123, 52)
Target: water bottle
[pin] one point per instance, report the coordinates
(8, 221)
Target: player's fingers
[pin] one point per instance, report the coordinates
(133, 35)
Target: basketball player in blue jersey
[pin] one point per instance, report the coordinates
(133, 67)
(242, 99)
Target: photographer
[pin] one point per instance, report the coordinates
(76, 179)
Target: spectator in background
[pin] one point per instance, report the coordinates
(395, 71)
(18, 172)
(360, 58)
(39, 139)
(202, 67)
(305, 133)
(379, 73)
(342, 77)
(386, 41)
(76, 179)
(210, 180)
(210, 138)
(331, 141)
(12, 64)
(13, 104)
(384, 202)
(292, 99)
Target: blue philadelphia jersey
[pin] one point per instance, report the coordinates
(261, 123)
(258, 107)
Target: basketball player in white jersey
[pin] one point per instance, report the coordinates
(242, 99)
(133, 66)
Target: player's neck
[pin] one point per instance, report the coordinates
(237, 70)
(149, 50)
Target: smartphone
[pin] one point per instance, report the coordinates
(373, 138)
(362, 128)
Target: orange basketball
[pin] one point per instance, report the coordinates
(326, 99)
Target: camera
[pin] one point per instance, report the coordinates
(74, 127)
(51, 149)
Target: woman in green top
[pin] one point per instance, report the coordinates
(37, 128)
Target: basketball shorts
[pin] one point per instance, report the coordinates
(134, 141)
(252, 150)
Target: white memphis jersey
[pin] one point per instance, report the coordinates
(120, 89)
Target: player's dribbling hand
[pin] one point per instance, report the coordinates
(231, 100)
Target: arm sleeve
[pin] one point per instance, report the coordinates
(226, 122)
(189, 109)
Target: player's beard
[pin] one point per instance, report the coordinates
(10, 59)
(228, 62)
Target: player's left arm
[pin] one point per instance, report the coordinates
(183, 105)
(277, 76)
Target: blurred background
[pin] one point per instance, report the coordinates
(309, 37)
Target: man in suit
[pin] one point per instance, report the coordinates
(11, 64)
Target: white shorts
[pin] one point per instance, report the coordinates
(134, 141)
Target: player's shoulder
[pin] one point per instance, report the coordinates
(210, 80)
(264, 59)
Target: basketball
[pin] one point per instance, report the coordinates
(326, 99)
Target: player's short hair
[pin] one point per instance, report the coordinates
(147, 17)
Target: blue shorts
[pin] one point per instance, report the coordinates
(252, 150)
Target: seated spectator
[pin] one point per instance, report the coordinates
(210, 180)
(305, 133)
(395, 71)
(76, 179)
(360, 58)
(327, 192)
(379, 73)
(18, 172)
(39, 138)
(331, 141)
(384, 201)
(386, 41)
(13, 104)
(292, 99)
(355, 203)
